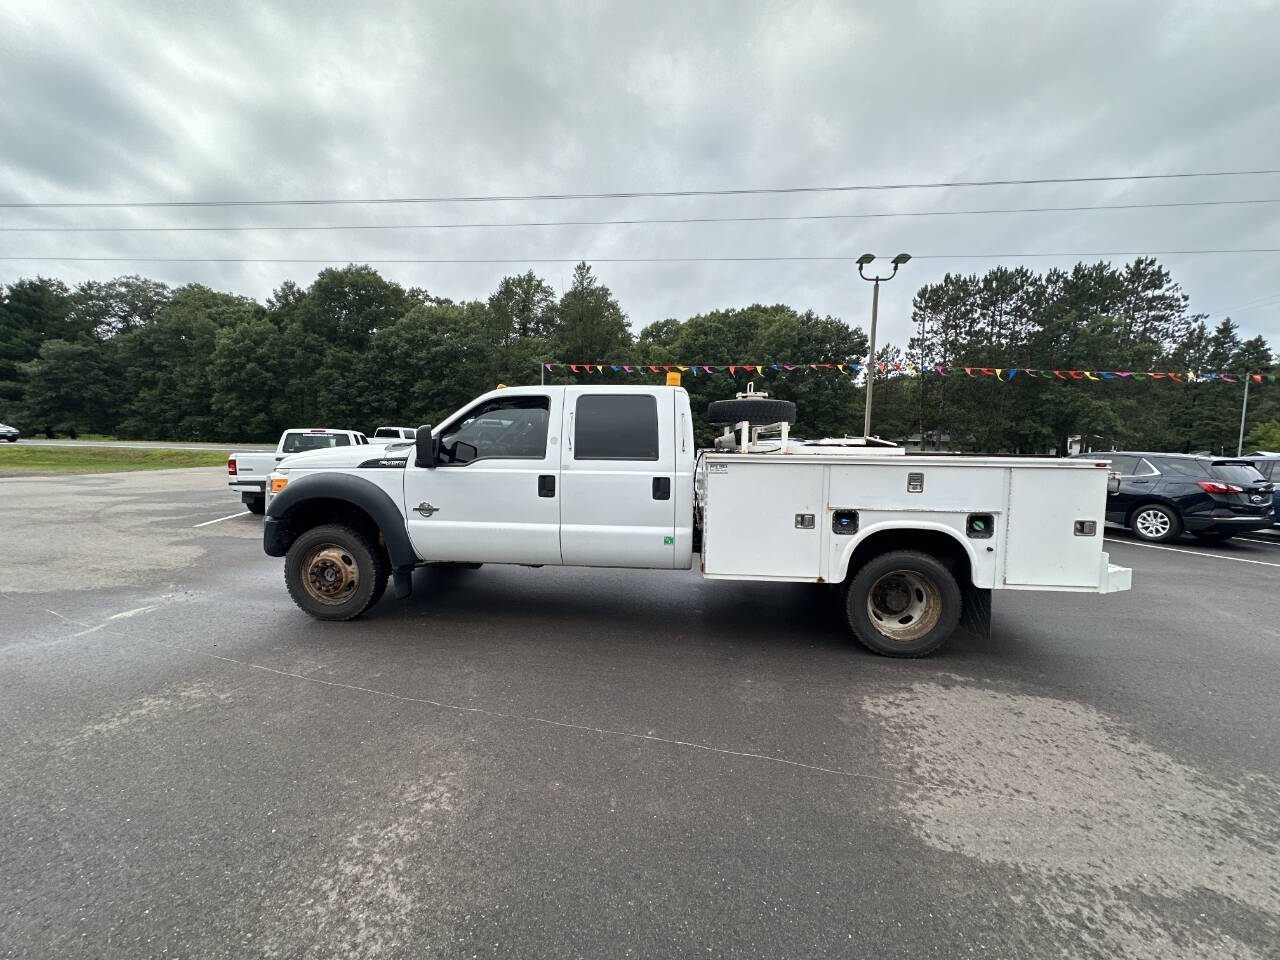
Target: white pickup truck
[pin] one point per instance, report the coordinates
(247, 470)
(605, 476)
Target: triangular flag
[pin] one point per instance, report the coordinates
(999, 370)
(1089, 376)
(573, 367)
(1124, 374)
(653, 368)
(1012, 371)
(1107, 375)
(1074, 375)
(969, 371)
(681, 368)
(1156, 376)
(599, 368)
(1030, 372)
(1058, 374)
(1175, 377)
(1257, 378)
(733, 368)
(788, 367)
(708, 368)
(626, 368)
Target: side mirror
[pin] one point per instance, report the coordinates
(1113, 483)
(426, 448)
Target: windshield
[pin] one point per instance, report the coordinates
(298, 442)
(1235, 471)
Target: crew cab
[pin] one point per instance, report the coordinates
(608, 476)
(247, 470)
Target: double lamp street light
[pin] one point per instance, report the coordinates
(864, 261)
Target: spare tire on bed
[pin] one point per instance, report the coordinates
(761, 410)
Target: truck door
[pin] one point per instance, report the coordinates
(495, 496)
(617, 468)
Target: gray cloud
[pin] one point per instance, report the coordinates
(127, 101)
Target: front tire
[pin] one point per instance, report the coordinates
(1155, 523)
(335, 572)
(903, 604)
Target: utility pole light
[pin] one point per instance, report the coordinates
(863, 261)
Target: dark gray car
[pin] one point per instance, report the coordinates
(1163, 495)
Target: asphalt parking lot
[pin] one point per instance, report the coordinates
(592, 764)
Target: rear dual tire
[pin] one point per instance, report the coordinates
(903, 604)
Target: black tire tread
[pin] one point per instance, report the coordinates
(381, 571)
(762, 410)
(940, 570)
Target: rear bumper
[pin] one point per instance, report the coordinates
(1204, 524)
(1114, 578)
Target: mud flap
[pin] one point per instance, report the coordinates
(402, 582)
(976, 615)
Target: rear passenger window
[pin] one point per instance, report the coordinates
(616, 427)
(1121, 463)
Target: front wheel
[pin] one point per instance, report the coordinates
(903, 604)
(335, 572)
(1155, 523)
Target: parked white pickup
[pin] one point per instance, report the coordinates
(609, 476)
(247, 470)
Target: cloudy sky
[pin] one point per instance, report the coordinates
(167, 101)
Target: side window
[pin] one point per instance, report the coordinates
(341, 440)
(509, 428)
(616, 427)
(1145, 468)
(1122, 464)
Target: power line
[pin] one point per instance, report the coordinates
(636, 194)
(647, 220)
(766, 259)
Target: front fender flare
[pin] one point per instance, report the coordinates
(278, 533)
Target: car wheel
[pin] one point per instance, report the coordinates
(1155, 523)
(903, 604)
(334, 572)
(257, 505)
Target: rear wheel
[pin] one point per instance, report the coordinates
(903, 604)
(257, 505)
(1155, 523)
(335, 572)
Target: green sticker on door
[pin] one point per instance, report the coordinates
(668, 541)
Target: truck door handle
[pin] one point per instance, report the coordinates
(547, 485)
(662, 488)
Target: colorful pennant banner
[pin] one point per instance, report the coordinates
(909, 369)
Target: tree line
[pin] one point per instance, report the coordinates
(135, 358)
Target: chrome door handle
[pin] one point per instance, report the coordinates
(425, 509)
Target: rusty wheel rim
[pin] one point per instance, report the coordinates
(904, 605)
(329, 573)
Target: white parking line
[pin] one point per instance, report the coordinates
(1273, 543)
(245, 513)
(1194, 553)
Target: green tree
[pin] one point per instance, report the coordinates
(1263, 436)
(117, 306)
(72, 386)
(592, 326)
(166, 365)
(31, 312)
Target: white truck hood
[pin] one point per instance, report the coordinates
(340, 458)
